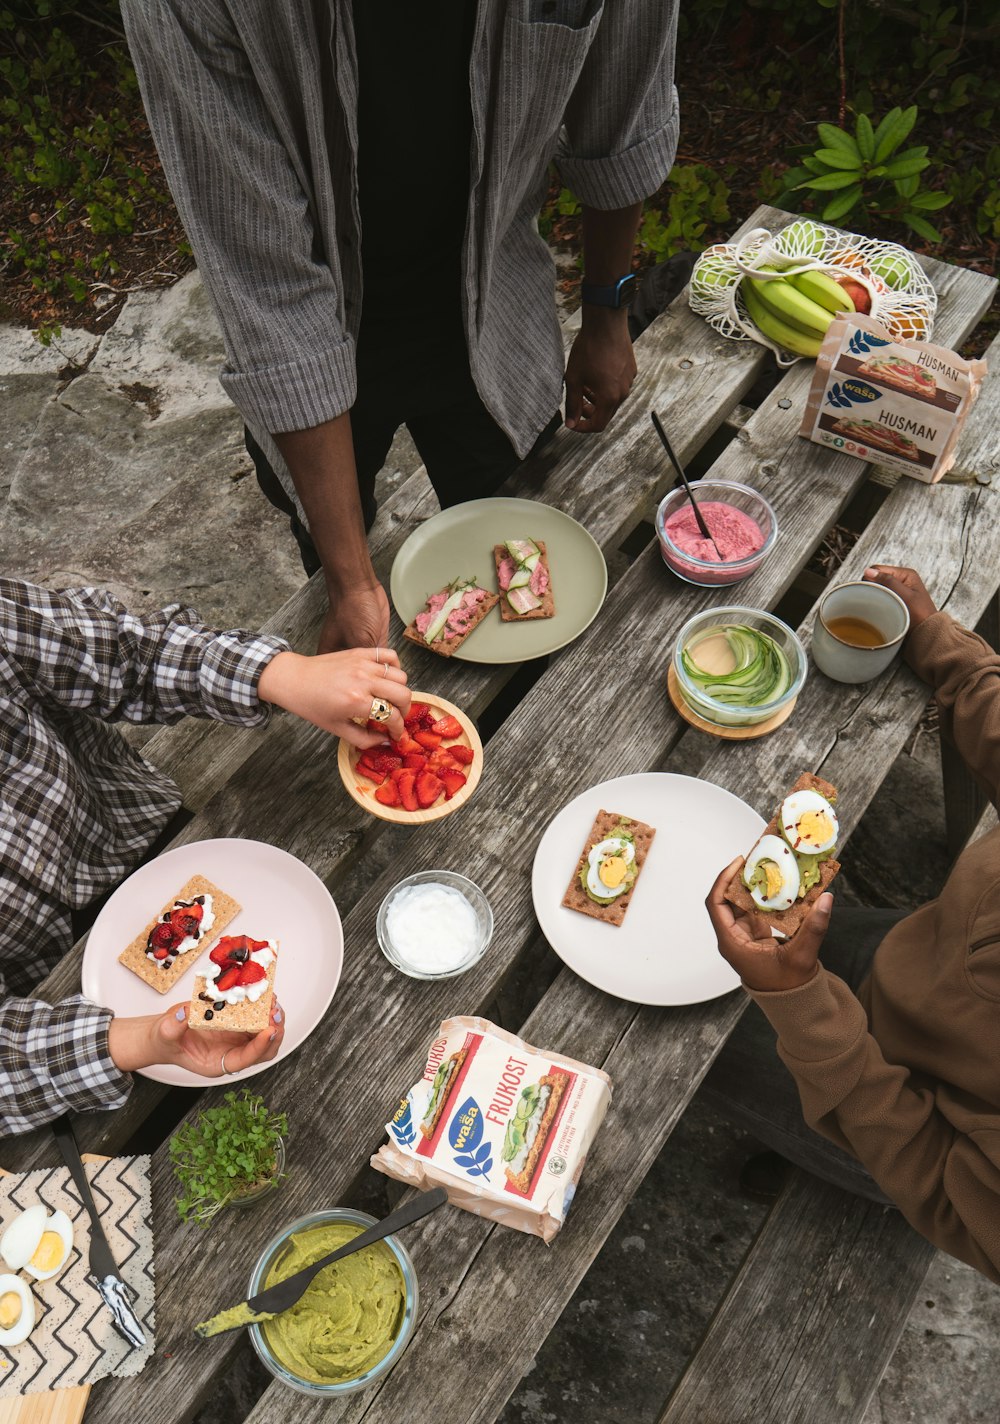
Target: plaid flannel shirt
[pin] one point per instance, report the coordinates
(78, 806)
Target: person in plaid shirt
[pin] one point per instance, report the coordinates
(78, 807)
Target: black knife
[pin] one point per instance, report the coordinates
(113, 1290)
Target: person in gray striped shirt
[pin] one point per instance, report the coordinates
(360, 184)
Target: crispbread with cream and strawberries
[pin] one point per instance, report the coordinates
(608, 826)
(789, 920)
(524, 577)
(156, 954)
(450, 616)
(229, 996)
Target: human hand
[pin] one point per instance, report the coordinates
(358, 618)
(165, 1038)
(745, 940)
(600, 369)
(329, 689)
(909, 586)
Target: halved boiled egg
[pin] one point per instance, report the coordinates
(809, 822)
(17, 1311)
(38, 1242)
(771, 874)
(607, 869)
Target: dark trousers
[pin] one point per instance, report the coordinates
(751, 1085)
(425, 385)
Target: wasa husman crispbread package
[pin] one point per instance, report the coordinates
(897, 402)
(503, 1127)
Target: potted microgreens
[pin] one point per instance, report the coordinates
(227, 1156)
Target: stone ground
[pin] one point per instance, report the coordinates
(121, 464)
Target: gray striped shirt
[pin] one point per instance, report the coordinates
(253, 106)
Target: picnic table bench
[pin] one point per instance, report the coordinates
(811, 1320)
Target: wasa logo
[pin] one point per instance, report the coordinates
(844, 394)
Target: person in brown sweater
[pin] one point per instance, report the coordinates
(902, 1072)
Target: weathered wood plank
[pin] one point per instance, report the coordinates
(811, 1320)
(535, 760)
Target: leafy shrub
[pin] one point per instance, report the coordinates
(223, 1153)
(698, 197)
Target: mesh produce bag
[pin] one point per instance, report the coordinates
(902, 297)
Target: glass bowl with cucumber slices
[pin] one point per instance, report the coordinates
(738, 667)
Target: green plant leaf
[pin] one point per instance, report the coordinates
(832, 137)
(930, 202)
(839, 158)
(866, 137)
(905, 167)
(922, 226)
(827, 182)
(842, 204)
(883, 133)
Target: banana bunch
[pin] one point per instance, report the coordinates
(795, 310)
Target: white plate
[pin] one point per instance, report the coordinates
(665, 952)
(282, 899)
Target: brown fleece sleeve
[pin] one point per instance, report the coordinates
(964, 672)
(945, 1183)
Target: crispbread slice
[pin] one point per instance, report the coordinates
(576, 898)
(787, 921)
(163, 980)
(428, 1128)
(521, 1181)
(445, 647)
(548, 608)
(246, 1017)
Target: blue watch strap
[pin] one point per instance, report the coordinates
(620, 294)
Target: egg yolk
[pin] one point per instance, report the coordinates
(772, 878)
(815, 827)
(10, 1310)
(612, 871)
(48, 1252)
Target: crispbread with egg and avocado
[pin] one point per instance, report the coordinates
(788, 921)
(607, 825)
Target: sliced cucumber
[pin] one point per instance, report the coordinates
(436, 626)
(521, 550)
(520, 577)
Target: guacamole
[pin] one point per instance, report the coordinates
(350, 1315)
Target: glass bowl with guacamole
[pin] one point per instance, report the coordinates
(355, 1319)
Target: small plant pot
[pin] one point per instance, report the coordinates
(251, 1195)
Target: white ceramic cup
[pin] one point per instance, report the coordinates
(885, 610)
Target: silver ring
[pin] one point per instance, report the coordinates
(385, 670)
(228, 1072)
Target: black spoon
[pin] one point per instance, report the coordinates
(706, 532)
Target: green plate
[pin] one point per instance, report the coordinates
(458, 543)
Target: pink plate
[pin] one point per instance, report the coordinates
(282, 899)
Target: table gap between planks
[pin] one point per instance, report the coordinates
(381, 1024)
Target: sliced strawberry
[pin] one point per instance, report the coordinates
(164, 936)
(160, 953)
(228, 979)
(428, 788)
(407, 794)
(406, 744)
(453, 781)
(415, 761)
(379, 760)
(430, 740)
(419, 715)
(400, 772)
(220, 954)
(447, 727)
(464, 755)
(185, 923)
(388, 794)
(251, 973)
(369, 771)
(376, 727)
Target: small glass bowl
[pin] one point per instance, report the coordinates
(264, 1189)
(723, 714)
(268, 1255)
(476, 899)
(707, 573)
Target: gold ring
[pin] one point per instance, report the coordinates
(381, 711)
(385, 670)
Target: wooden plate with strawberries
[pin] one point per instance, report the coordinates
(430, 772)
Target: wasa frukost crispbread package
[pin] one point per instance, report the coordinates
(894, 401)
(504, 1127)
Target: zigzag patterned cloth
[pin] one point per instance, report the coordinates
(74, 1341)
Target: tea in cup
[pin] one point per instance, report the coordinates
(859, 629)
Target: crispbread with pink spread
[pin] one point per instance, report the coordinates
(471, 604)
(535, 595)
(160, 954)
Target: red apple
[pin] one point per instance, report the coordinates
(858, 294)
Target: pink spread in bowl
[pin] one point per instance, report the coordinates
(741, 522)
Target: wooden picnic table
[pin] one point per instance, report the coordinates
(597, 709)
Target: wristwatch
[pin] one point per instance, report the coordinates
(620, 294)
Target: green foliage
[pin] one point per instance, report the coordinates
(223, 1153)
(699, 196)
(869, 170)
(64, 153)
